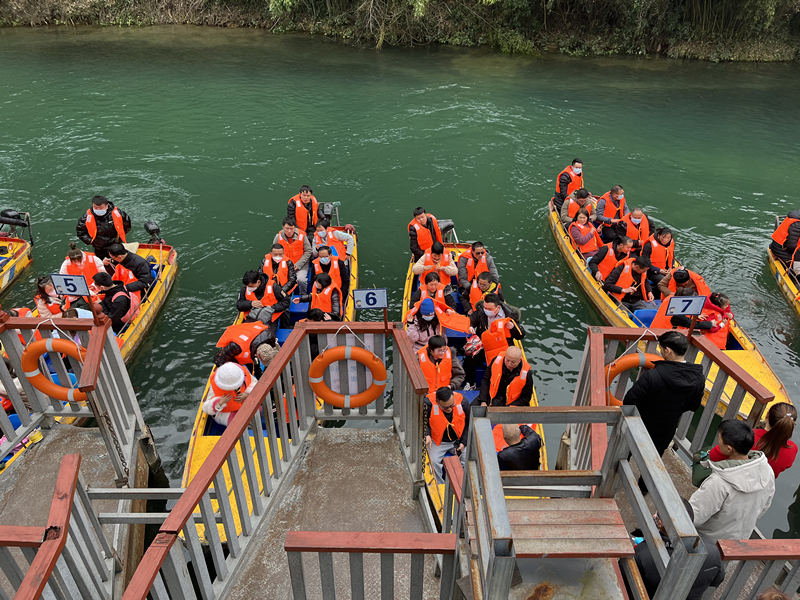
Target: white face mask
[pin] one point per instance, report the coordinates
(99, 212)
(428, 317)
(251, 289)
(577, 170)
(621, 197)
(324, 261)
(491, 313)
(635, 221)
(322, 234)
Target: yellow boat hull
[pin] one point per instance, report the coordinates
(749, 357)
(19, 257)
(785, 282)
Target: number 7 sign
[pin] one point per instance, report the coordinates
(685, 306)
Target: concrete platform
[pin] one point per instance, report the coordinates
(349, 480)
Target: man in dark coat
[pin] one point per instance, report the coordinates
(255, 282)
(522, 454)
(135, 264)
(115, 308)
(107, 225)
(486, 312)
(786, 250)
(510, 365)
(671, 388)
(711, 574)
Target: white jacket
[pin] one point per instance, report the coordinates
(732, 498)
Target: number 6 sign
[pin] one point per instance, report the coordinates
(370, 299)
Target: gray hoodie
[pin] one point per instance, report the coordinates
(735, 495)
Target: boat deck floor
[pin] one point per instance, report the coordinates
(348, 480)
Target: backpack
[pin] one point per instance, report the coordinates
(135, 301)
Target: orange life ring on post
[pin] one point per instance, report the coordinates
(30, 366)
(623, 363)
(332, 355)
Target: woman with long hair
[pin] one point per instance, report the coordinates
(774, 440)
(48, 302)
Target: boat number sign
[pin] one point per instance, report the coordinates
(686, 306)
(70, 285)
(370, 299)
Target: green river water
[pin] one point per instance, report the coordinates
(210, 131)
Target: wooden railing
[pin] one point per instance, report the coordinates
(102, 375)
(356, 544)
(70, 557)
(606, 344)
(756, 565)
(268, 457)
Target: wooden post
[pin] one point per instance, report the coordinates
(386, 320)
(691, 329)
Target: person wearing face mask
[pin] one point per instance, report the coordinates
(637, 226)
(324, 296)
(48, 302)
(660, 249)
(279, 269)
(423, 324)
(102, 225)
(507, 382)
(262, 299)
(304, 210)
(440, 365)
(435, 289)
(611, 208)
(339, 242)
(334, 267)
(297, 249)
(497, 324)
(476, 292)
(423, 230)
(568, 181)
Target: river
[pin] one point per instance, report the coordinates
(210, 131)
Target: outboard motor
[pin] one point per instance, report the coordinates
(14, 219)
(446, 226)
(153, 230)
(327, 210)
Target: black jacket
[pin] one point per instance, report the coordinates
(663, 394)
(343, 270)
(309, 227)
(244, 305)
(506, 377)
(106, 232)
(336, 304)
(785, 251)
(448, 299)
(622, 230)
(292, 282)
(412, 234)
(600, 256)
(465, 407)
(610, 285)
(116, 309)
(480, 321)
(523, 456)
(711, 573)
(140, 269)
(492, 289)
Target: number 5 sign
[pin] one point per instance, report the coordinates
(370, 299)
(70, 285)
(686, 306)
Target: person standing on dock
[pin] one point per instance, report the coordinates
(568, 181)
(611, 208)
(423, 230)
(739, 490)
(102, 225)
(786, 241)
(304, 210)
(448, 423)
(672, 387)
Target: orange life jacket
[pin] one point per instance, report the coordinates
(514, 389)
(293, 250)
(232, 405)
(323, 300)
(610, 260)
(575, 184)
(473, 270)
(26, 312)
(661, 320)
(662, 257)
(243, 335)
(593, 245)
(455, 321)
(640, 233)
(699, 283)
(718, 338)
(91, 224)
(573, 207)
(335, 272)
(88, 267)
(424, 238)
(609, 210)
(331, 242)
(430, 265)
(439, 375)
(439, 423)
(55, 308)
(268, 299)
(500, 443)
(495, 339)
(782, 232)
(126, 276)
(476, 295)
(626, 278)
(301, 212)
(283, 270)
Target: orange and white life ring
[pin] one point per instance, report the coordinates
(30, 366)
(366, 358)
(623, 363)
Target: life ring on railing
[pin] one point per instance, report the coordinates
(623, 363)
(366, 358)
(30, 367)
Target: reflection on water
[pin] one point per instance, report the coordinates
(209, 131)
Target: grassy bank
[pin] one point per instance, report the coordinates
(717, 30)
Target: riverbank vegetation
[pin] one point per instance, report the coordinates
(719, 30)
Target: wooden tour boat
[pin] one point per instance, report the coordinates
(788, 283)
